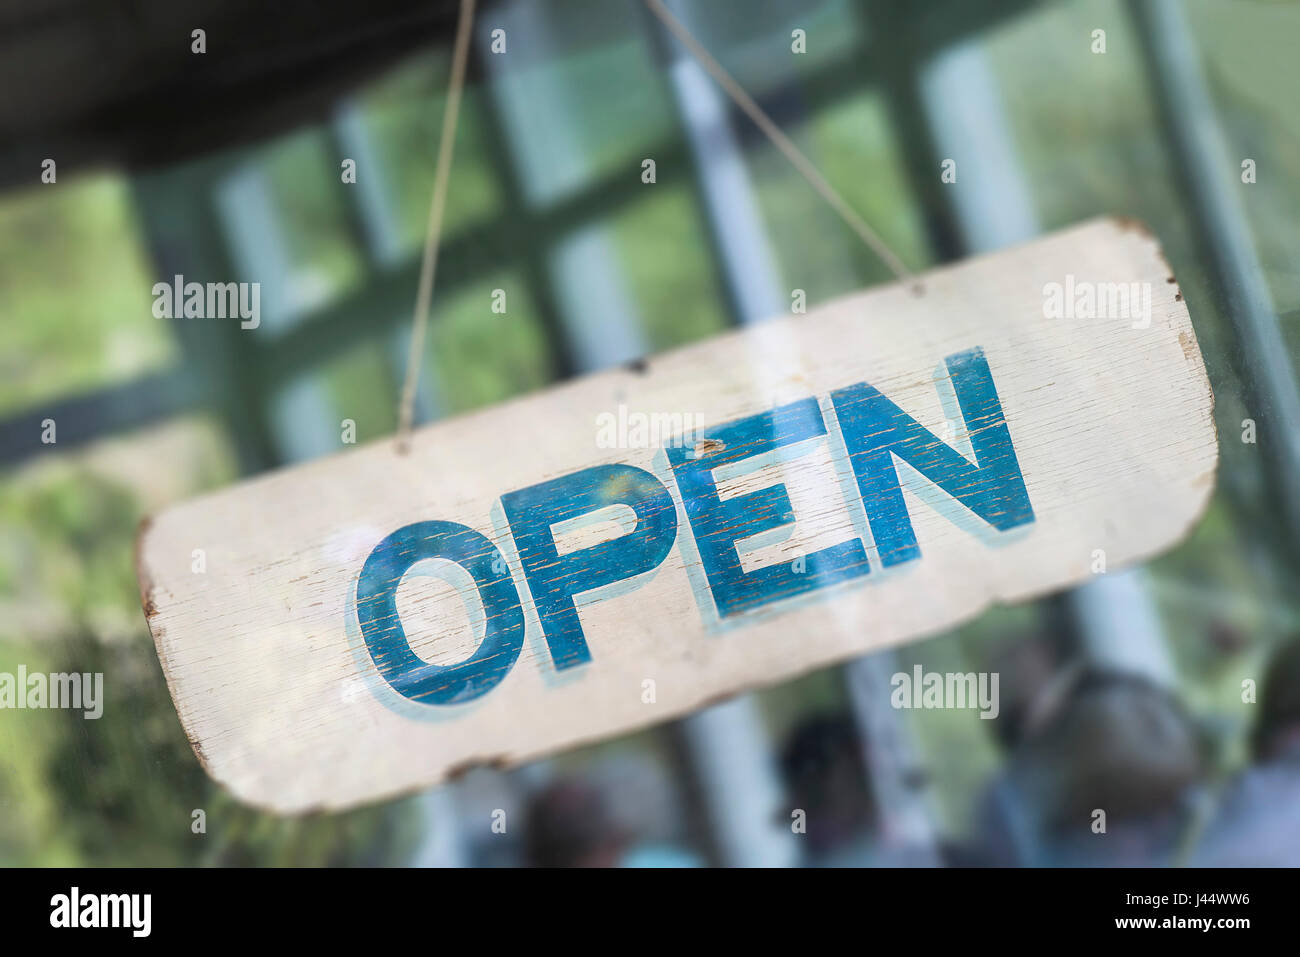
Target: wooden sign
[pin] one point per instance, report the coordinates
(634, 545)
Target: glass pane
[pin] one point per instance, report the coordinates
(669, 269)
(480, 355)
(402, 113)
(851, 144)
(75, 292)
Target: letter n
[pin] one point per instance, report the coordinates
(877, 434)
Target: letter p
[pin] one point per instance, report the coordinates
(553, 579)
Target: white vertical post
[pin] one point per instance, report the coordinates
(748, 266)
(301, 417)
(1211, 176)
(372, 211)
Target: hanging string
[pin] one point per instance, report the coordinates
(429, 265)
(781, 141)
(450, 117)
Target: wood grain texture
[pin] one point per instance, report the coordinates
(1112, 425)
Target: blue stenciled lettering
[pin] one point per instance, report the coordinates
(382, 629)
(876, 434)
(719, 524)
(554, 579)
(876, 431)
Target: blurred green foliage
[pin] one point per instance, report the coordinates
(76, 313)
(122, 788)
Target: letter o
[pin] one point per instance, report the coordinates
(408, 674)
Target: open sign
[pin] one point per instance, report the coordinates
(882, 468)
(873, 435)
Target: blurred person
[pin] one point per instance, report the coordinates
(644, 804)
(1257, 823)
(568, 824)
(827, 778)
(1033, 677)
(1108, 773)
(617, 812)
